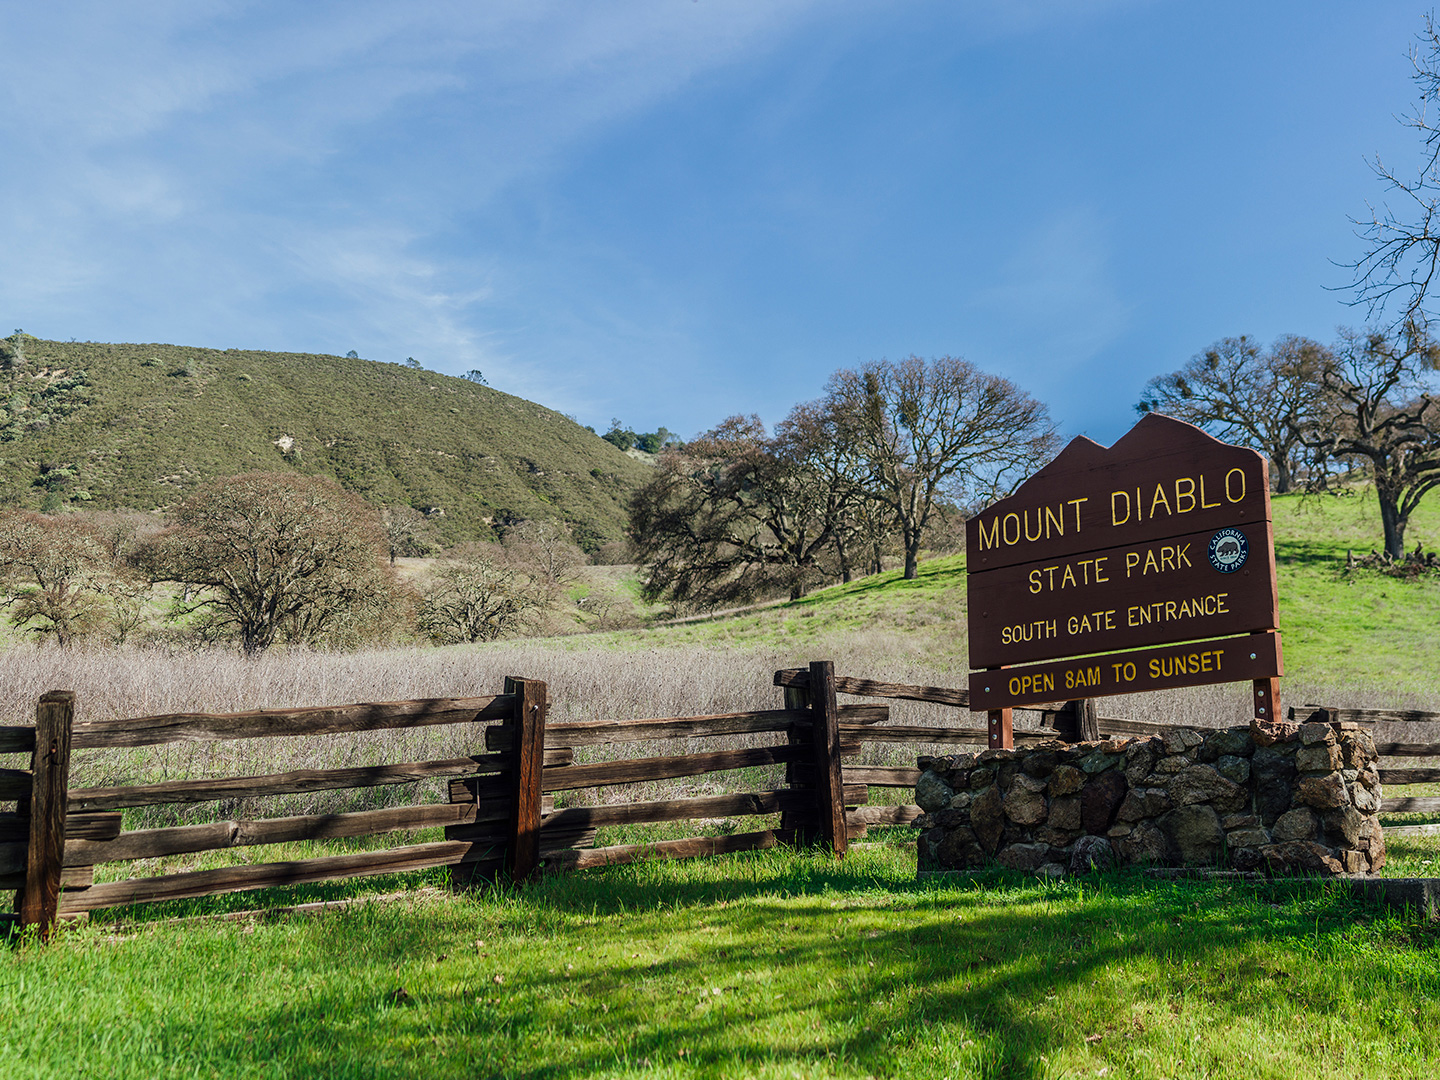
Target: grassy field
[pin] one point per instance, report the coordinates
(774, 964)
(770, 964)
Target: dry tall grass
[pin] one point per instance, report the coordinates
(586, 683)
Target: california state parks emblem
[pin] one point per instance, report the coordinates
(1228, 550)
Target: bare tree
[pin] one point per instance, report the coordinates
(1267, 399)
(1399, 267)
(406, 531)
(546, 550)
(937, 433)
(474, 596)
(55, 572)
(271, 556)
(1381, 385)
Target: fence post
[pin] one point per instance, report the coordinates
(45, 857)
(1081, 720)
(829, 782)
(522, 853)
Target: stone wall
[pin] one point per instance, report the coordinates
(1277, 797)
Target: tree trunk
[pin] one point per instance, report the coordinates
(1283, 479)
(1392, 520)
(912, 556)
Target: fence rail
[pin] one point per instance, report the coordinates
(502, 813)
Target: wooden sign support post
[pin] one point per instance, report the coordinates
(1267, 699)
(1002, 729)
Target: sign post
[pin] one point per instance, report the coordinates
(1146, 566)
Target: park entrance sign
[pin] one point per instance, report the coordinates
(1156, 553)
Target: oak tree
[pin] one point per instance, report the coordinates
(1265, 398)
(1383, 413)
(272, 556)
(939, 433)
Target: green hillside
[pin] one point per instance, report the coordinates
(139, 426)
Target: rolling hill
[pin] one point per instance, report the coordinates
(140, 426)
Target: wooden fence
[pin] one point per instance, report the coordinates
(502, 813)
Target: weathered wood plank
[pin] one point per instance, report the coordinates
(1395, 749)
(527, 727)
(268, 723)
(15, 784)
(180, 840)
(1418, 804)
(637, 770)
(1410, 776)
(16, 827)
(959, 736)
(265, 875)
(17, 739)
(777, 800)
(825, 744)
(881, 776)
(54, 718)
(604, 732)
(800, 822)
(902, 814)
(71, 877)
(940, 695)
(191, 791)
(1367, 716)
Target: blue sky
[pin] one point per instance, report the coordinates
(673, 210)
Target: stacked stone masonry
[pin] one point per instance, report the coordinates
(1276, 797)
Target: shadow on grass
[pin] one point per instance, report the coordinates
(778, 962)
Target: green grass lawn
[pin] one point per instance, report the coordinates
(771, 964)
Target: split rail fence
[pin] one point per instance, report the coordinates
(502, 813)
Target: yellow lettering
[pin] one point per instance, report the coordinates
(1069, 577)
(1015, 687)
(1185, 493)
(1100, 568)
(1115, 518)
(1006, 531)
(992, 538)
(1182, 557)
(1154, 668)
(1057, 517)
(1240, 475)
(1150, 563)
(1076, 503)
(1167, 558)
(1159, 500)
(1035, 585)
(1203, 504)
(1132, 560)
(1039, 526)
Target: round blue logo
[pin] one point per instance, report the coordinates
(1228, 550)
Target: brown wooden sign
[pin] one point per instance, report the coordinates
(1196, 663)
(1165, 537)
(1119, 598)
(1163, 478)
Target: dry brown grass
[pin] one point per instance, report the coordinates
(586, 682)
